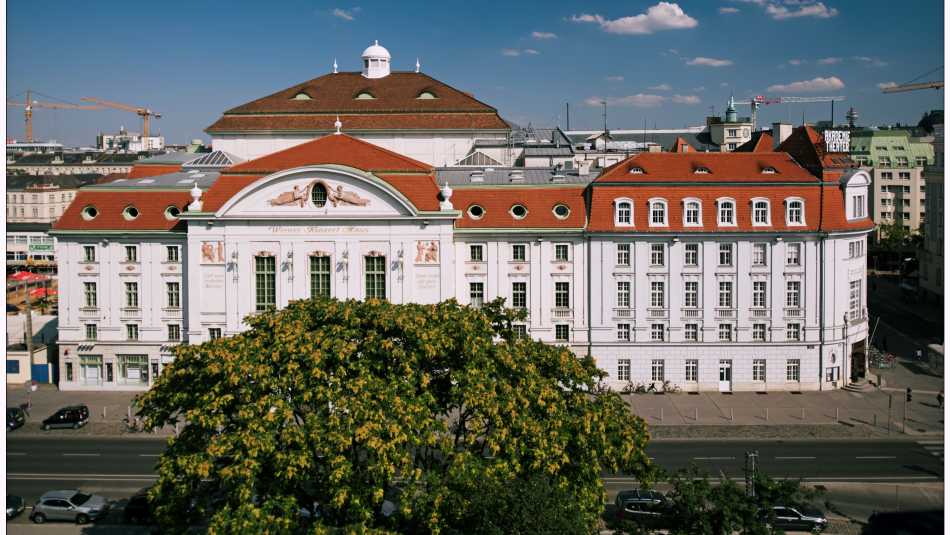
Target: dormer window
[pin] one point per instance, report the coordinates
(636, 170)
(89, 213)
(701, 170)
(624, 212)
(727, 212)
(768, 171)
(692, 213)
(658, 213)
(476, 212)
(427, 95)
(302, 96)
(794, 211)
(365, 95)
(130, 212)
(518, 211)
(760, 213)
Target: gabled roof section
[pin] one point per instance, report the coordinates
(761, 141)
(680, 145)
(691, 167)
(339, 149)
(218, 159)
(807, 146)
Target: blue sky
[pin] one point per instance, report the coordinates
(655, 62)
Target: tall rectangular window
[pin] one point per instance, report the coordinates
(476, 294)
(657, 332)
(623, 294)
(793, 254)
(519, 252)
(133, 369)
(131, 253)
(793, 332)
(793, 297)
(562, 332)
(657, 294)
(758, 370)
(623, 332)
(691, 256)
(92, 331)
(860, 205)
(691, 332)
(725, 254)
(173, 291)
(174, 332)
(725, 332)
(623, 369)
(89, 253)
(132, 332)
(561, 252)
(759, 254)
(691, 294)
(520, 330)
(214, 333)
(319, 276)
(854, 299)
(725, 294)
(476, 253)
(793, 370)
(265, 283)
(132, 294)
(89, 289)
(758, 332)
(657, 254)
(692, 370)
(519, 295)
(375, 269)
(172, 253)
(562, 294)
(623, 254)
(657, 370)
(759, 294)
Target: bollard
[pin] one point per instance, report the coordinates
(803, 414)
(836, 414)
(129, 412)
(696, 417)
(766, 414)
(732, 414)
(103, 412)
(875, 419)
(176, 429)
(661, 414)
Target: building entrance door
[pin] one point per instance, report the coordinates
(725, 376)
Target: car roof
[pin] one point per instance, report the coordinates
(643, 494)
(59, 494)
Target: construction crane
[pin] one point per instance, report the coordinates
(761, 100)
(29, 104)
(912, 87)
(142, 111)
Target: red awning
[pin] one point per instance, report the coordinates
(39, 293)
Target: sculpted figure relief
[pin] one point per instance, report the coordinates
(298, 196)
(336, 196)
(348, 197)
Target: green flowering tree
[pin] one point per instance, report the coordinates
(351, 415)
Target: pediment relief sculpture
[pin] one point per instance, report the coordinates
(320, 192)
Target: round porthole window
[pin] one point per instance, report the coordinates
(172, 212)
(476, 212)
(561, 211)
(130, 212)
(89, 213)
(318, 195)
(518, 211)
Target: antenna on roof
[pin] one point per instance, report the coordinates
(335, 66)
(418, 65)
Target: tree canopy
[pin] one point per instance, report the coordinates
(365, 415)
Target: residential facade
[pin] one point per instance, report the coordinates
(931, 259)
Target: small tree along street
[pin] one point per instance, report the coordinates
(366, 415)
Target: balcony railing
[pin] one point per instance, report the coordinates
(759, 312)
(623, 312)
(561, 313)
(725, 313)
(657, 313)
(130, 312)
(794, 312)
(692, 313)
(171, 312)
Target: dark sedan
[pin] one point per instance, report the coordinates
(15, 418)
(68, 417)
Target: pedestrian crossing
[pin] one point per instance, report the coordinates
(933, 447)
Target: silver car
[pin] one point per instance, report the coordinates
(71, 505)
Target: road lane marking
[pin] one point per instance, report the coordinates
(812, 479)
(872, 457)
(792, 458)
(714, 458)
(16, 453)
(82, 454)
(150, 455)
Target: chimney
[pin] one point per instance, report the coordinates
(780, 132)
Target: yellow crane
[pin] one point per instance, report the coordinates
(29, 104)
(141, 111)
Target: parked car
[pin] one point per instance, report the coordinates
(15, 418)
(72, 505)
(74, 416)
(14, 506)
(138, 510)
(796, 518)
(648, 508)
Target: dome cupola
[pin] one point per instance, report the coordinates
(376, 61)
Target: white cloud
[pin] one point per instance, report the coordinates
(617, 78)
(345, 14)
(728, 10)
(531, 52)
(699, 89)
(796, 62)
(685, 99)
(873, 62)
(510, 52)
(639, 100)
(829, 61)
(709, 62)
(543, 35)
(885, 85)
(723, 84)
(818, 10)
(662, 16)
(814, 85)
(661, 87)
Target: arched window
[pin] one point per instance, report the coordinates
(760, 212)
(318, 195)
(302, 96)
(658, 213)
(427, 95)
(795, 211)
(624, 212)
(365, 95)
(727, 212)
(692, 213)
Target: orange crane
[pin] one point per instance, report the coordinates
(142, 111)
(29, 104)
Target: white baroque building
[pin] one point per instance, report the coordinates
(733, 271)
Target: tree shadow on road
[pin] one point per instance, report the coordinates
(916, 369)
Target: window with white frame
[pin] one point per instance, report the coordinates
(476, 253)
(623, 254)
(793, 332)
(562, 294)
(760, 212)
(214, 333)
(856, 249)
(691, 332)
(692, 370)
(758, 370)
(656, 370)
(561, 252)
(657, 213)
(795, 212)
(89, 253)
(727, 212)
(759, 294)
(520, 330)
(793, 254)
(691, 254)
(132, 294)
(131, 253)
(172, 253)
(320, 268)
(859, 206)
(623, 294)
(519, 252)
(793, 294)
(92, 331)
(519, 294)
(623, 369)
(476, 294)
(624, 212)
(131, 331)
(657, 332)
(623, 332)
(855, 299)
(173, 294)
(657, 294)
(692, 213)
(725, 254)
(657, 254)
(725, 332)
(725, 294)
(758, 332)
(759, 254)
(174, 332)
(375, 273)
(91, 295)
(793, 370)
(691, 294)
(562, 332)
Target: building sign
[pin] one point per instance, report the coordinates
(837, 141)
(41, 247)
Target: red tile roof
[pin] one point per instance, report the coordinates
(371, 121)
(681, 145)
(145, 170)
(540, 201)
(333, 149)
(723, 167)
(760, 142)
(151, 205)
(807, 146)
